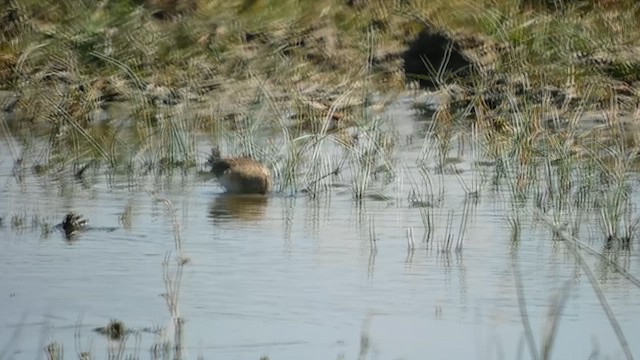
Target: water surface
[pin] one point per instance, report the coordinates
(293, 277)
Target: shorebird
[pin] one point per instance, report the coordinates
(240, 175)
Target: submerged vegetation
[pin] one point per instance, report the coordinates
(543, 97)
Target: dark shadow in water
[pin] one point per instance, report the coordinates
(236, 206)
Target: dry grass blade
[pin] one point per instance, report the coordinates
(175, 227)
(462, 230)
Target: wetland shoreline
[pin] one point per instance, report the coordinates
(409, 190)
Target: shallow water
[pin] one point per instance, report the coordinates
(293, 277)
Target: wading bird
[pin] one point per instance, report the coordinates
(240, 175)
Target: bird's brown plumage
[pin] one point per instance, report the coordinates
(240, 174)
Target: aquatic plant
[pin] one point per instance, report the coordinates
(54, 351)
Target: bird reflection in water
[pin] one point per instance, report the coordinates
(245, 207)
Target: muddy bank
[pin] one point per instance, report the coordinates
(213, 71)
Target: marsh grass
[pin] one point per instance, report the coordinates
(82, 348)
(411, 245)
(539, 143)
(121, 50)
(424, 200)
(54, 351)
(241, 71)
(477, 172)
(29, 220)
(170, 141)
(125, 218)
